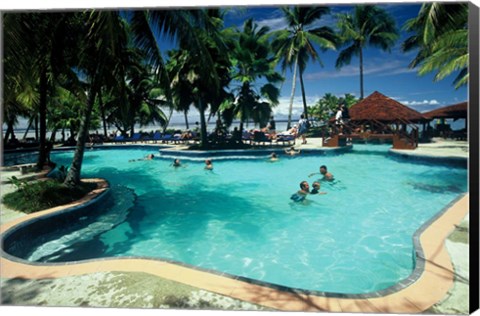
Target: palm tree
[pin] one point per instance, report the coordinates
(441, 37)
(252, 59)
(368, 25)
(295, 45)
(38, 43)
(96, 62)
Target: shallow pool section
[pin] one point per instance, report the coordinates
(238, 219)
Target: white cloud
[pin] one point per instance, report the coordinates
(274, 24)
(421, 103)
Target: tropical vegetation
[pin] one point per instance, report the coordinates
(368, 25)
(71, 72)
(327, 106)
(295, 45)
(441, 39)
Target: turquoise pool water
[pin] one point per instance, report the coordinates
(239, 219)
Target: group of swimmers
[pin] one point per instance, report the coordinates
(301, 194)
(176, 163)
(208, 164)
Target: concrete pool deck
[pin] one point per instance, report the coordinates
(437, 297)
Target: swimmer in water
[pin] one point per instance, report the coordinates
(273, 157)
(176, 163)
(302, 193)
(316, 188)
(292, 151)
(208, 165)
(147, 157)
(323, 171)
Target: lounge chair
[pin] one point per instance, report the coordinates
(286, 139)
(155, 137)
(261, 138)
(119, 139)
(135, 138)
(246, 137)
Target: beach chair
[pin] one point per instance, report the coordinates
(286, 140)
(119, 139)
(166, 138)
(154, 138)
(261, 138)
(246, 137)
(135, 138)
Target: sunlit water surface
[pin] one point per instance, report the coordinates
(239, 219)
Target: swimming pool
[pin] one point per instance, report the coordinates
(239, 219)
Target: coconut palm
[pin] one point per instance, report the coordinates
(368, 25)
(252, 59)
(96, 63)
(295, 45)
(441, 38)
(191, 84)
(38, 43)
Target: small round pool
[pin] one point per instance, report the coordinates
(239, 219)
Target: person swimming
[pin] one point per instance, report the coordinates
(208, 165)
(147, 157)
(273, 157)
(301, 194)
(316, 188)
(292, 151)
(177, 163)
(323, 171)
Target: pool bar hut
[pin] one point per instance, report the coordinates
(377, 117)
(455, 112)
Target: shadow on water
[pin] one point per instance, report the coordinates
(185, 215)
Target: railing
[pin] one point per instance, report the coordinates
(376, 128)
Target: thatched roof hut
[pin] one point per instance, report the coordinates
(381, 108)
(455, 111)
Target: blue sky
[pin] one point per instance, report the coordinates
(385, 72)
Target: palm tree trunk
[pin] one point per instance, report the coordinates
(294, 84)
(186, 119)
(361, 74)
(53, 136)
(102, 109)
(42, 155)
(36, 128)
(9, 131)
(168, 120)
(73, 176)
(203, 123)
(30, 122)
(305, 110)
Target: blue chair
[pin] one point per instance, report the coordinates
(135, 138)
(119, 139)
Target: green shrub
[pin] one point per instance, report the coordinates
(31, 197)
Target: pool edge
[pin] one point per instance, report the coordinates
(421, 290)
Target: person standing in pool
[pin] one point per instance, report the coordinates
(292, 151)
(273, 157)
(176, 163)
(323, 171)
(302, 193)
(208, 165)
(316, 188)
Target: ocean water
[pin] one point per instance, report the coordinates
(239, 219)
